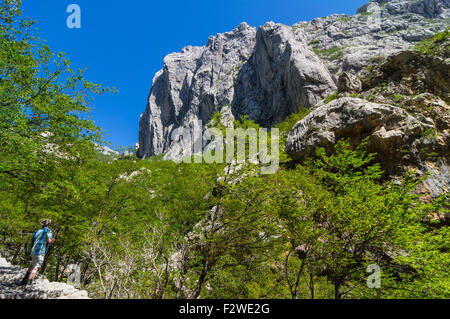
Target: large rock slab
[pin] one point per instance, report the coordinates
(11, 276)
(355, 119)
(397, 137)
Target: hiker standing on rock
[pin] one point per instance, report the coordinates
(39, 246)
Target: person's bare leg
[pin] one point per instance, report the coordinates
(33, 273)
(27, 276)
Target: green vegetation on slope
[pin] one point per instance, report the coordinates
(334, 53)
(436, 45)
(156, 229)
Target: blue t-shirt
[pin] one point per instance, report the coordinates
(39, 243)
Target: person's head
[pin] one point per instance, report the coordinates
(46, 222)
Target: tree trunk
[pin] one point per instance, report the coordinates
(201, 280)
(311, 285)
(57, 269)
(83, 279)
(337, 293)
(16, 254)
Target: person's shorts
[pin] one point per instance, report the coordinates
(38, 261)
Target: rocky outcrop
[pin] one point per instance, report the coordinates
(427, 8)
(270, 72)
(10, 277)
(282, 75)
(348, 83)
(398, 139)
(413, 73)
(380, 28)
(355, 119)
(266, 74)
(193, 85)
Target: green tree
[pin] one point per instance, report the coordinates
(46, 133)
(340, 218)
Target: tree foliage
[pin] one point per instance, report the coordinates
(156, 229)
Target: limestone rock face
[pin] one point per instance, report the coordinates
(419, 73)
(428, 8)
(11, 276)
(397, 137)
(349, 83)
(379, 29)
(270, 72)
(282, 75)
(352, 118)
(266, 74)
(193, 85)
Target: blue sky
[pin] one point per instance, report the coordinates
(123, 43)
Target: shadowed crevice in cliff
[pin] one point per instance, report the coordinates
(282, 75)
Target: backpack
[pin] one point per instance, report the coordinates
(35, 241)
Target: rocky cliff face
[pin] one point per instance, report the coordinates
(379, 29)
(193, 85)
(266, 74)
(387, 92)
(270, 72)
(401, 105)
(401, 140)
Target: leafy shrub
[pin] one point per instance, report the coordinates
(398, 98)
(331, 97)
(437, 45)
(332, 54)
(314, 42)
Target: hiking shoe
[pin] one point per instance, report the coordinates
(25, 279)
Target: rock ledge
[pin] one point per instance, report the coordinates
(10, 277)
